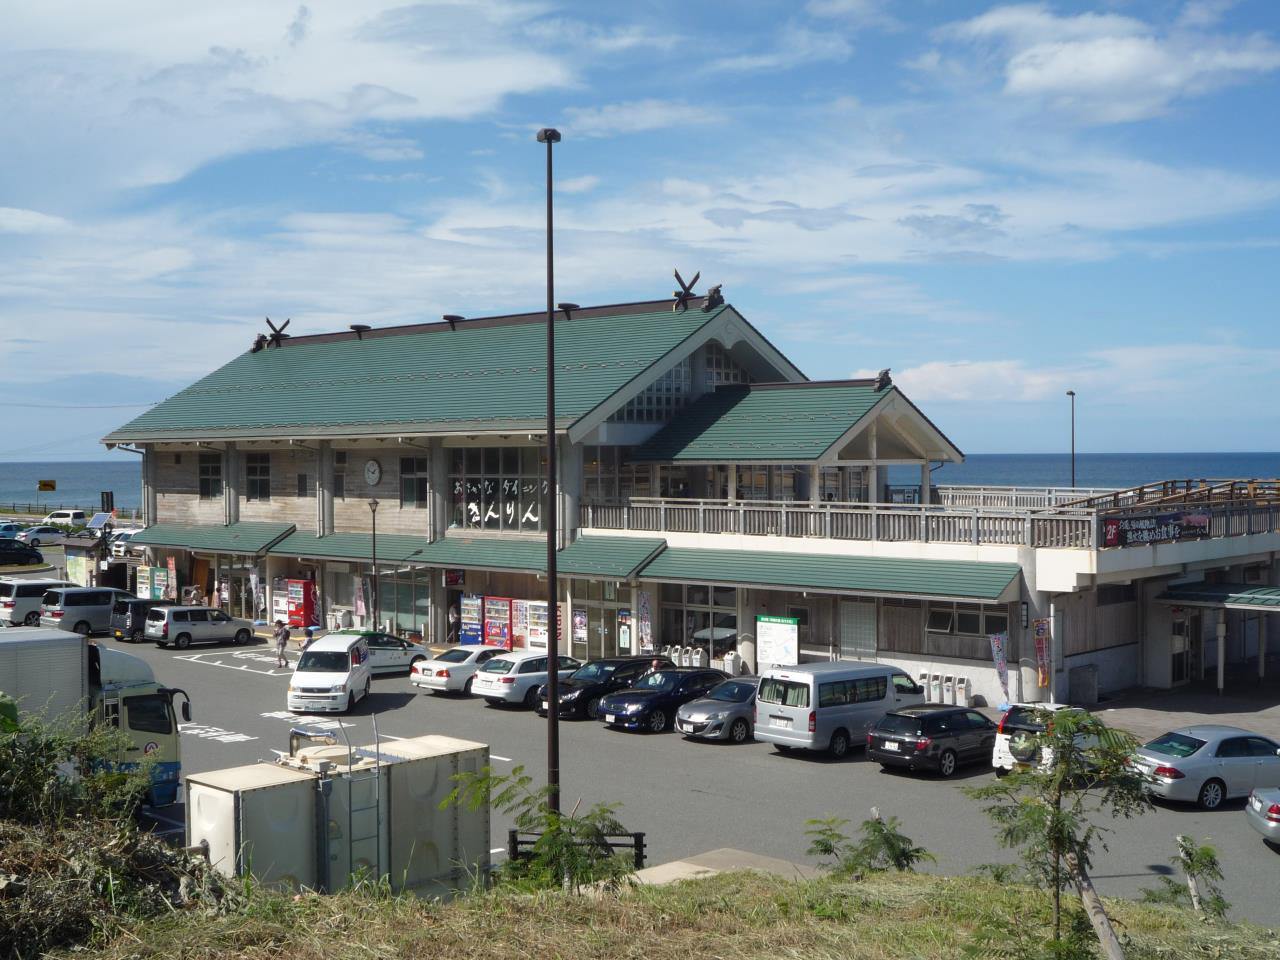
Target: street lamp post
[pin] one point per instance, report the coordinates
(550, 137)
(373, 549)
(1072, 395)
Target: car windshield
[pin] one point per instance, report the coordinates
(898, 723)
(733, 691)
(593, 671)
(456, 655)
(1174, 745)
(323, 661)
(498, 665)
(661, 680)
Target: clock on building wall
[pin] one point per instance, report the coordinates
(372, 472)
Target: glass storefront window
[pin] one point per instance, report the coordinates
(689, 618)
(496, 488)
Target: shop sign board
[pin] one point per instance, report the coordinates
(579, 626)
(624, 631)
(471, 624)
(1040, 629)
(78, 570)
(1000, 654)
(644, 621)
(1154, 528)
(171, 587)
(778, 640)
(455, 578)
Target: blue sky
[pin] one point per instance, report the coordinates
(998, 201)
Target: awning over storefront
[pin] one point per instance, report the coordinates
(885, 576)
(615, 558)
(486, 553)
(392, 547)
(250, 538)
(1231, 596)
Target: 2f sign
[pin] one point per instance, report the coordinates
(46, 486)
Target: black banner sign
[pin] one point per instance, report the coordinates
(1154, 528)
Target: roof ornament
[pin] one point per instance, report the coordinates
(685, 293)
(714, 299)
(276, 337)
(883, 380)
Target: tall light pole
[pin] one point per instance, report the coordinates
(1072, 395)
(373, 514)
(550, 137)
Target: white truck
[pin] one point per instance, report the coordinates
(58, 675)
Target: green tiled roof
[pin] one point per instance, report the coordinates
(1235, 596)
(482, 374)
(615, 558)
(487, 553)
(392, 547)
(893, 576)
(790, 423)
(245, 537)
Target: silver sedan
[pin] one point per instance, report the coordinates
(1263, 812)
(727, 712)
(1206, 764)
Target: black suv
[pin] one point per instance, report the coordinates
(931, 737)
(14, 552)
(581, 691)
(129, 617)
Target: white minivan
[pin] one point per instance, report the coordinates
(828, 706)
(332, 674)
(72, 518)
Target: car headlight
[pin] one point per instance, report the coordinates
(571, 695)
(337, 688)
(633, 708)
(719, 715)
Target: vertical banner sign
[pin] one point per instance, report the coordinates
(1041, 631)
(644, 621)
(580, 626)
(171, 593)
(1000, 654)
(624, 631)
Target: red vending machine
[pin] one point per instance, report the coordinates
(302, 603)
(497, 621)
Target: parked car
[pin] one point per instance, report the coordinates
(388, 654)
(20, 599)
(727, 712)
(581, 691)
(129, 617)
(70, 518)
(1016, 736)
(453, 670)
(829, 706)
(14, 553)
(85, 610)
(182, 626)
(120, 543)
(41, 533)
(931, 736)
(1263, 814)
(1208, 763)
(332, 675)
(651, 703)
(11, 530)
(515, 676)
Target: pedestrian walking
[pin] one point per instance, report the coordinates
(282, 643)
(309, 638)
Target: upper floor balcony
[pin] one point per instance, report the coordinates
(1083, 519)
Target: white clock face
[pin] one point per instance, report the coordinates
(372, 472)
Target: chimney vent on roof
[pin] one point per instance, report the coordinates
(883, 380)
(360, 329)
(452, 319)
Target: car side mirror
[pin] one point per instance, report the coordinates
(186, 711)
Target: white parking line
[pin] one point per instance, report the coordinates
(199, 658)
(388, 736)
(494, 756)
(206, 732)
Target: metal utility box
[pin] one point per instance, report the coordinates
(1082, 684)
(258, 819)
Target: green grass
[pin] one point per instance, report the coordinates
(741, 916)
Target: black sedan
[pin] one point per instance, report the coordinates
(581, 691)
(654, 699)
(931, 737)
(14, 552)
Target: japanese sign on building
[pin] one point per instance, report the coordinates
(1153, 528)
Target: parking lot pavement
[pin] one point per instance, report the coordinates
(688, 797)
(1246, 703)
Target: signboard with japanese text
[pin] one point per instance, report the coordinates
(1154, 528)
(778, 640)
(644, 621)
(1040, 629)
(1000, 654)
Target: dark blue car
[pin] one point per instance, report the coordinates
(652, 701)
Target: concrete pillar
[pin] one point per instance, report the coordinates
(439, 512)
(925, 477)
(569, 462)
(815, 484)
(1262, 645)
(873, 471)
(731, 471)
(232, 472)
(438, 629)
(149, 456)
(1222, 648)
(324, 488)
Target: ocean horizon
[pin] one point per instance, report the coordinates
(80, 482)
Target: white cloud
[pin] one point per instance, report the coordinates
(15, 220)
(859, 13)
(636, 116)
(796, 46)
(584, 184)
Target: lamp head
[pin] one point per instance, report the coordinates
(373, 505)
(1071, 393)
(548, 135)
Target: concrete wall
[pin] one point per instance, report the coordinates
(178, 490)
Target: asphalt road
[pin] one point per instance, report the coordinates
(690, 797)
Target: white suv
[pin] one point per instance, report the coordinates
(1016, 736)
(183, 626)
(516, 677)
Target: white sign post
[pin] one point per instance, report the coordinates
(778, 641)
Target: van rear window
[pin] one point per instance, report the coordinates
(787, 693)
(8, 589)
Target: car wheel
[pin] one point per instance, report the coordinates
(414, 662)
(839, 746)
(136, 636)
(739, 731)
(82, 628)
(241, 638)
(531, 698)
(34, 543)
(593, 708)
(182, 641)
(351, 702)
(32, 619)
(1211, 795)
(947, 763)
(466, 687)
(657, 721)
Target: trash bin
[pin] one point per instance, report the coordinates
(935, 688)
(732, 664)
(964, 691)
(698, 658)
(923, 680)
(948, 689)
(686, 657)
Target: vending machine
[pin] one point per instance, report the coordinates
(301, 596)
(497, 622)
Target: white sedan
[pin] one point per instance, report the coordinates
(515, 677)
(41, 534)
(453, 670)
(388, 654)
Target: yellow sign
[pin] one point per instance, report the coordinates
(46, 486)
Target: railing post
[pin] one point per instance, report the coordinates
(638, 841)
(1026, 531)
(513, 845)
(662, 515)
(974, 531)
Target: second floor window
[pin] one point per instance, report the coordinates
(257, 475)
(415, 483)
(210, 476)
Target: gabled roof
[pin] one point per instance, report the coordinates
(782, 422)
(477, 375)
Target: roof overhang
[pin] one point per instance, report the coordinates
(1225, 596)
(246, 537)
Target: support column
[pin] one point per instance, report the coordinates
(324, 489)
(731, 482)
(231, 474)
(569, 462)
(439, 467)
(149, 456)
(925, 477)
(873, 471)
(1222, 648)
(1263, 619)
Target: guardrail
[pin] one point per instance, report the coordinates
(519, 842)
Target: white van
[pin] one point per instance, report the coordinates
(331, 675)
(828, 706)
(71, 518)
(20, 599)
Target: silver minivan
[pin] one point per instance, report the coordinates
(20, 599)
(828, 706)
(85, 610)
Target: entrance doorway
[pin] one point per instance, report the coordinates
(1185, 649)
(857, 629)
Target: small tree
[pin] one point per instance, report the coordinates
(1080, 767)
(883, 846)
(1202, 871)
